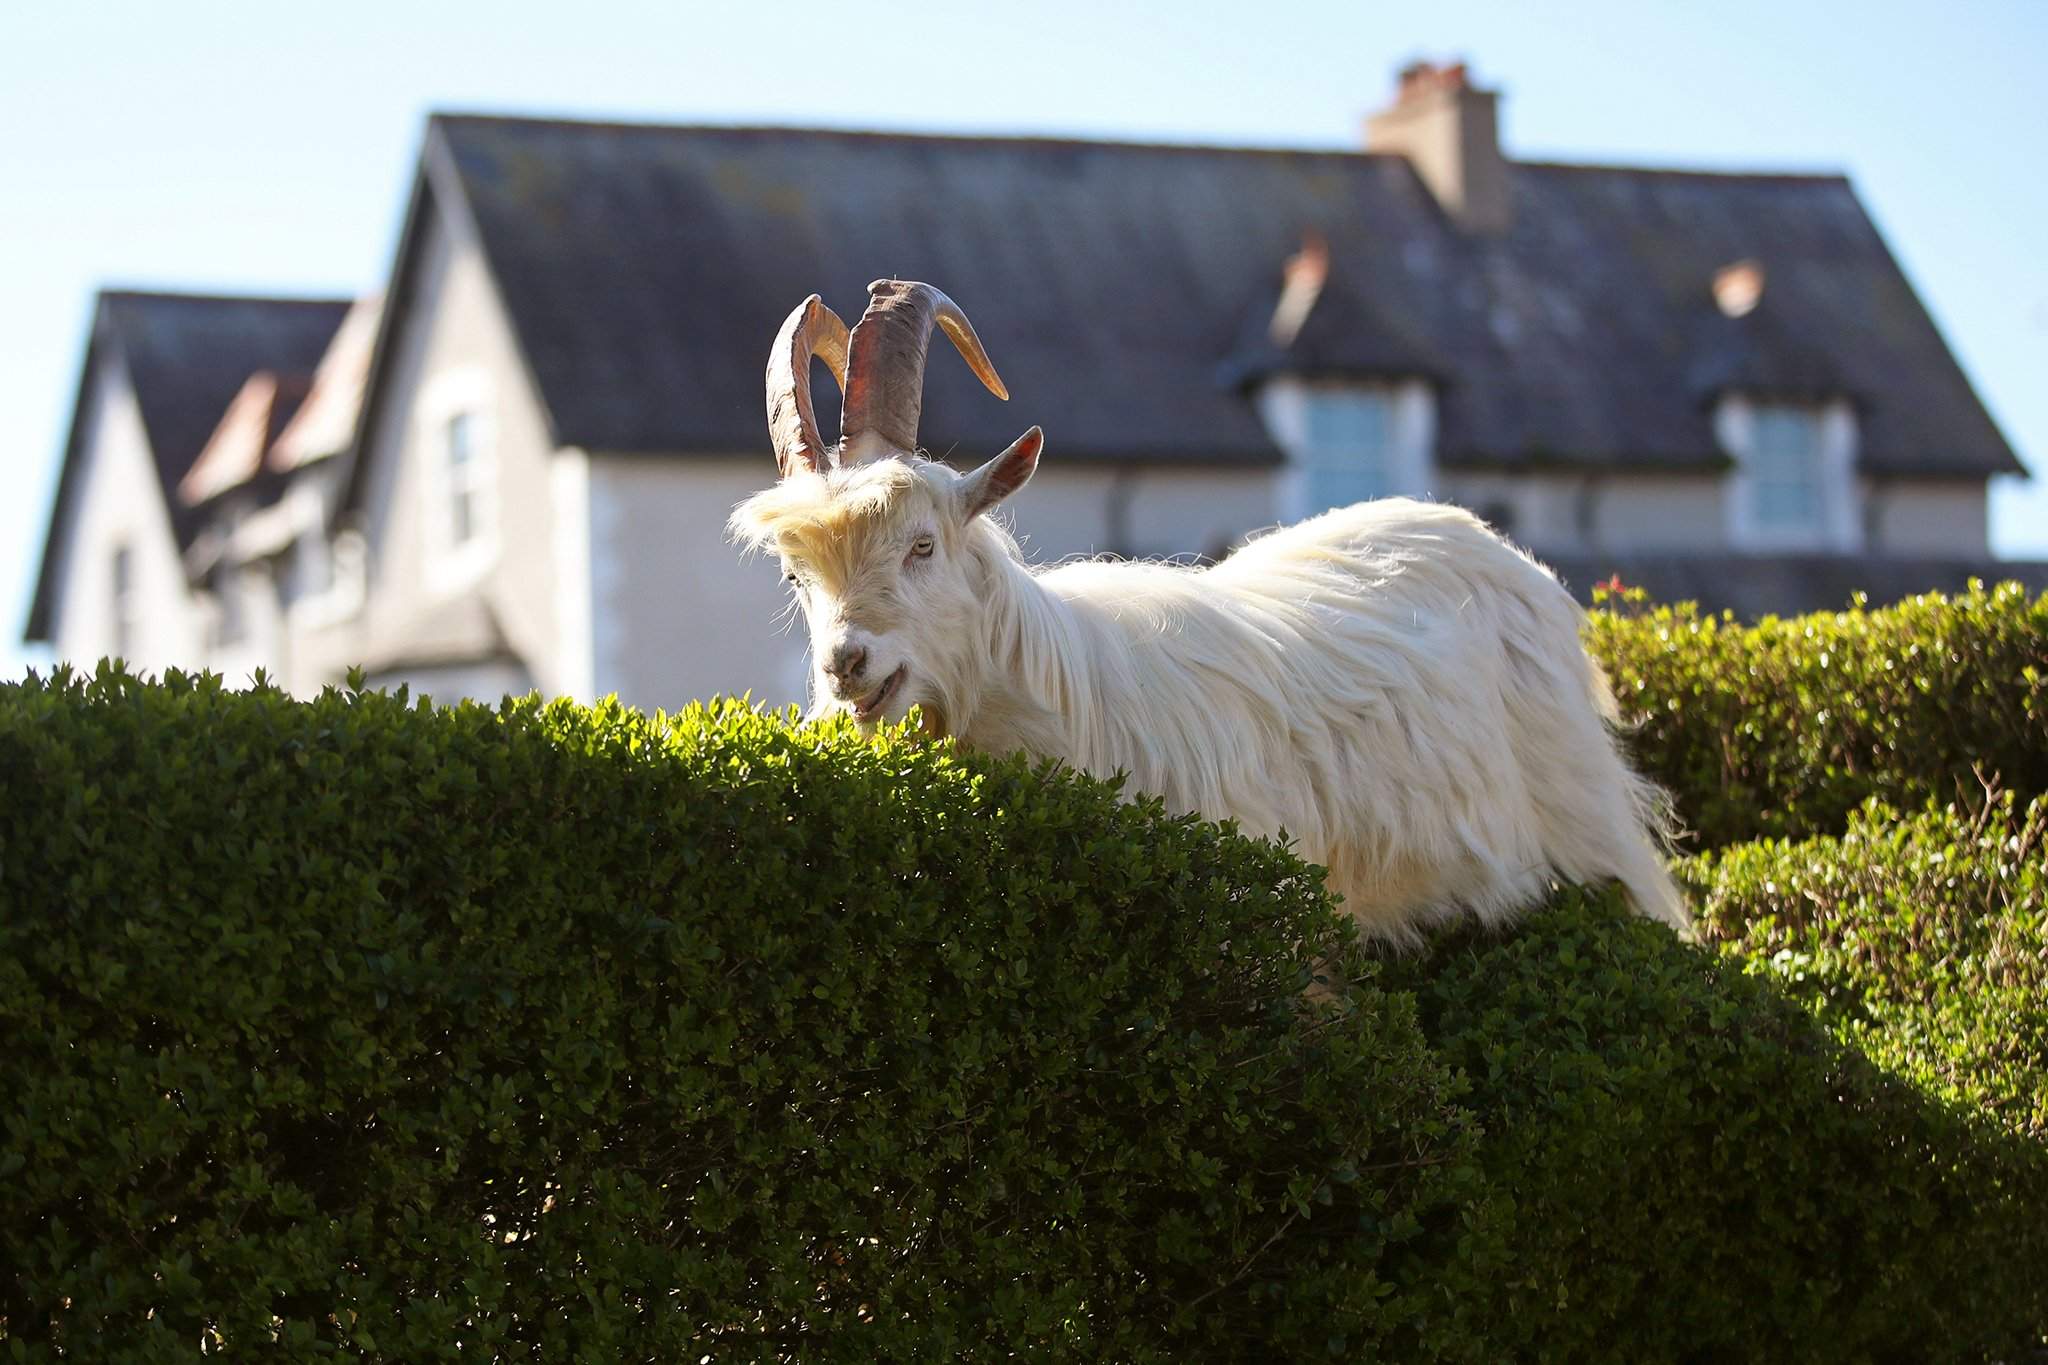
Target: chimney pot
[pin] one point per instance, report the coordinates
(1449, 130)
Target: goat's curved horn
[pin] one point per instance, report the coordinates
(811, 329)
(885, 365)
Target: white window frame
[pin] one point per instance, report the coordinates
(1743, 424)
(464, 479)
(1293, 409)
(231, 601)
(346, 557)
(464, 395)
(122, 617)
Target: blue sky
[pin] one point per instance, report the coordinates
(268, 148)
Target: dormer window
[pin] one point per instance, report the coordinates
(1349, 441)
(1348, 455)
(1785, 471)
(1794, 485)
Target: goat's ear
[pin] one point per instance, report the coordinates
(1002, 476)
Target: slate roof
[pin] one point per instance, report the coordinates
(1122, 289)
(235, 453)
(325, 422)
(187, 356)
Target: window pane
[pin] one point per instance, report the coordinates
(1787, 504)
(1329, 488)
(465, 473)
(461, 440)
(1784, 468)
(123, 603)
(1348, 455)
(1357, 420)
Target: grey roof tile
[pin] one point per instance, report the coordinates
(187, 356)
(1120, 289)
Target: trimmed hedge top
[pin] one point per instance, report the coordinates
(559, 1033)
(1785, 727)
(1922, 939)
(1699, 1170)
(556, 1033)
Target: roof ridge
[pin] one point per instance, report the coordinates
(576, 123)
(1697, 172)
(208, 296)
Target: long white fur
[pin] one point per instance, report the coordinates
(1391, 685)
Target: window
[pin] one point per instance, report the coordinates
(1785, 471)
(312, 573)
(122, 601)
(231, 591)
(1794, 487)
(332, 577)
(1349, 440)
(1347, 452)
(465, 480)
(453, 454)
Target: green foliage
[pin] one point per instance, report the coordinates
(1699, 1171)
(558, 1033)
(1922, 940)
(1785, 727)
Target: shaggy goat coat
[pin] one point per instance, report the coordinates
(1390, 685)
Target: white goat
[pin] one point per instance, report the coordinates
(1390, 684)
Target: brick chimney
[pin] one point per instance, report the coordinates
(1449, 130)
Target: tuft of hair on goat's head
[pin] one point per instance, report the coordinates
(886, 551)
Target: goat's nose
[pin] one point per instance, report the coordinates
(846, 662)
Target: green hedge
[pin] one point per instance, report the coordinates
(1923, 940)
(558, 1033)
(1785, 727)
(1699, 1170)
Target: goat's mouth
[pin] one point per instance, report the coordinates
(870, 706)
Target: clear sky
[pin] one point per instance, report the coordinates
(268, 148)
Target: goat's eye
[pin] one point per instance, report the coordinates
(921, 548)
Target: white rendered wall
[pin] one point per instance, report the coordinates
(118, 500)
(454, 351)
(676, 615)
(1070, 511)
(1544, 512)
(575, 621)
(1659, 514)
(1938, 520)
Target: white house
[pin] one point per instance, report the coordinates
(513, 471)
(160, 372)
